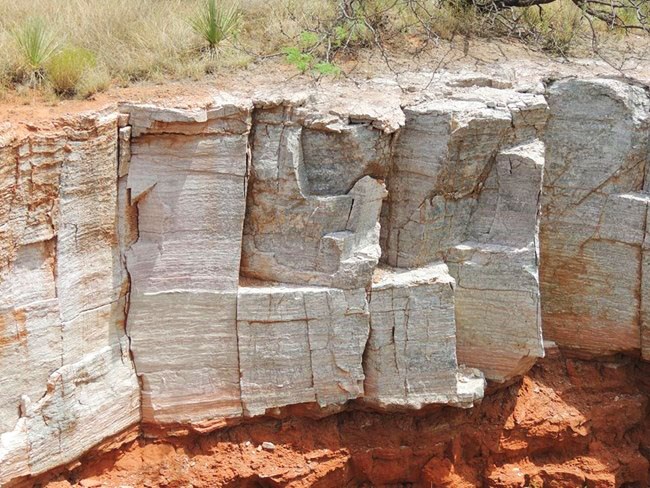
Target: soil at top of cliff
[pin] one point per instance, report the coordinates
(567, 423)
(505, 59)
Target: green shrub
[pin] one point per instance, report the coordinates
(216, 23)
(302, 56)
(36, 46)
(302, 61)
(328, 69)
(66, 69)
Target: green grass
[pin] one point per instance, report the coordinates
(158, 40)
(36, 45)
(215, 23)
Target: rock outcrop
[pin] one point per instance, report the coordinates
(464, 188)
(186, 268)
(67, 381)
(187, 178)
(594, 225)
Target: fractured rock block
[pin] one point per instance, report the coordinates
(299, 345)
(438, 175)
(187, 176)
(508, 206)
(605, 285)
(435, 176)
(294, 234)
(410, 359)
(335, 161)
(497, 308)
(594, 218)
(497, 294)
(476, 207)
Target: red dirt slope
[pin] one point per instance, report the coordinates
(568, 423)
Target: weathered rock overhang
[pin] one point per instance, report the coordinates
(190, 267)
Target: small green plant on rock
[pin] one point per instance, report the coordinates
(216, 23)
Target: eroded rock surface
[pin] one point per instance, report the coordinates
(187, 176)
(67, 381)
(326, 235)
(240, 241)
(568, 423)
(594, 216)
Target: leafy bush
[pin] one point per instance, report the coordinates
(302, 56)
(36, 46)
(302, 61)
(66, 69)
(215, 23)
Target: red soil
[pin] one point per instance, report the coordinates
(568, 423)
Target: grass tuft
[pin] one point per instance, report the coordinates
(216, 23)
(66, 69)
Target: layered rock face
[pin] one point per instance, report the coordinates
(190, 267)
(464, 189)
(594, 224)
(187, 178)
(67, 380)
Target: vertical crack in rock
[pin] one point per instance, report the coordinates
(309, 346)
(642, 298)
(249, 165)
(128, 232)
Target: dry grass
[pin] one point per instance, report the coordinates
(153, 40)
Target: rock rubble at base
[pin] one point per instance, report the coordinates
(312, 249)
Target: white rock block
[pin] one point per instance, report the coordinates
(299, 345)
(410, 361)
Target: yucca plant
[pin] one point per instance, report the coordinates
(216, 23)
(36, 46)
